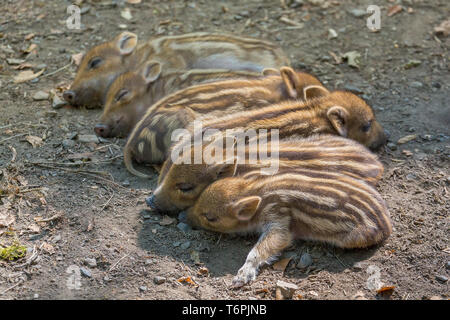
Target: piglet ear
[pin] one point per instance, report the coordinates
(270, 72)
(151, 71)
(224, 170)
(314, 91)
(338, 117)
(126, 42)
(291, 81)
(246, 208)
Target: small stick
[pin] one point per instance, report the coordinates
(56, 71)
(12, 137)
(115, 264)
(56, 216)
(5, 291)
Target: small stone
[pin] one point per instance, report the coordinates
(142, 288)
(159, 280)
(68, 143)
(358, 13)
(238, 17)
(244, 13)
(436, 85)
(358, 266)
(149, 261)
(184, 227)
(40, 95)
(91, 262)
(332, 34)
(36, 296)
(185, 245)
(441, 279)
(305, 261)
(13, 61)
(88, 138)
(447, 266)
(106, 278)
(41, 66)
(411, 177)
(416, 84)
(176, 244)
(126, 183)
(85, 9)
(359, 296)
(353, 89)
(86, 272)
(392, 146)
(57, 238)
(71, 135)
(285, 290)
(58, 103)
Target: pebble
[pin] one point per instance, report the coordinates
(57, 238)
(353, 89)
(285, 290)
(184, 227)
(91, 262)
(416, 84)
(86, 272)
(332, 34)
(185, 245)
(40, 95)
(71, 135)
(176, 244)
(41, 66)
(159, 280)
(68, 143)
(36, 296)
(358, 266)
(407, 138)
(392, 146)
(305, 261)
(58, 103)
(126, 183)
(447, 266)
(441, 279)
(143, 288)
(88, 138)
(358, 13)
(436, 85)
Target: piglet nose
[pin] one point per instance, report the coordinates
(101, 130)
(69, 96)
(151, 202)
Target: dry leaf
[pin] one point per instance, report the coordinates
(187, 280)
(6, 220)
(29, 36)
(134, 1)
(203, 271)
(22, 66)
(407, 138)
(34, 141)
(43, 201)
(47, 247)
(126, 14)
(32, 47)
(27, 75)
(281, 264)
(352, 58)
(394, 10)
(386, 290)
(34, 228)
(443, 28)
(76, 58)
(166, 220)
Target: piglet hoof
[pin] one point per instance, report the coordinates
(245, 275)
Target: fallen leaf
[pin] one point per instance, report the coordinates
(407, 138)
(27, 75)
(6, 220)
(76, 58)
(29, 36)
(34, 141)
(443, 28)
(166, 220)
(281, 264)
(134, 1)
(412, 63)
(187, 280)
(352, 58)
(13, 61)
(394, 10)
(22, 66)
(43, 201)
(34, 228)
(386, 290)
(203, 271)
(32, 47)
(47, 247)
(407, 153)
(126, 14)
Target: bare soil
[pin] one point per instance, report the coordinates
(97, 210)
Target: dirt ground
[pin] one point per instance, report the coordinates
(68, 214)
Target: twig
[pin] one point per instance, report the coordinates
(56, 71)
(12, 137)
(77, 163)
(5, 291)
(107, 202)
(115, 264)
(56, 216)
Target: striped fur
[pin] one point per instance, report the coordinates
(324, 205)
(207, 101)
(314, 154)
(130, 95)
(189, 51)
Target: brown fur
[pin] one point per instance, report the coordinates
(316, 153)
(150, 139)
(323, 206)
(190, 51)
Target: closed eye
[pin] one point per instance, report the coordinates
(210, 217)
(366, 127)
(185, 187)
(122, 93)
(95, 62)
